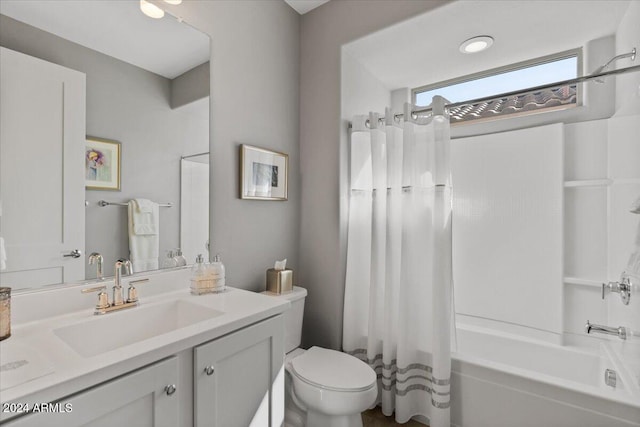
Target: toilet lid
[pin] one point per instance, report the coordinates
(333, 370)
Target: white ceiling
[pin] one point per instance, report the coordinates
(424, 49)
(304, 6)
(119, 29)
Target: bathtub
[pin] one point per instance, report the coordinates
(502, 380)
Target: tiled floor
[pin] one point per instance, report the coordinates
(375, 418)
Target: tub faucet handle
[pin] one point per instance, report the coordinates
(623, 287)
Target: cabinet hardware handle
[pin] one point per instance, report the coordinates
(209, 370)
(170, 389)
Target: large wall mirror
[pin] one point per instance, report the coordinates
(147, 89)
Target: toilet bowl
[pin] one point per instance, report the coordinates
(324, 388)
(333, 388)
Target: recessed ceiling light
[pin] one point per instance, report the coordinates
(476, 44)
(151, 10)
(173, 1)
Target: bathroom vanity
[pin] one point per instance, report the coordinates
(176, 360)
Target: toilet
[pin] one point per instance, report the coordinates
(324, 388)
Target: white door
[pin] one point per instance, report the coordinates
(42, 133)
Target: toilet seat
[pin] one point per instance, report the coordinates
(333, 370)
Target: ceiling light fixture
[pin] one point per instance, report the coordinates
(476, 44)
(175, 2)
(151, 10)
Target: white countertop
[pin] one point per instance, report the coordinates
(70, 372)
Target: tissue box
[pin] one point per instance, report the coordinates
(279, 281)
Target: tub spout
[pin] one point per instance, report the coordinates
(620, 331)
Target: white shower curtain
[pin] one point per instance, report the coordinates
(398, 303)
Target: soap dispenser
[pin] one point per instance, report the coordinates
(198, 268)
(198, 276)
(218, 274)
(169, 261)
(181, 261)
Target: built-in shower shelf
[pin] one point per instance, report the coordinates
(626, 181)
(582, 282)
(600, 182)
(589, 183)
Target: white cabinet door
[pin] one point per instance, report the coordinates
(239, 379)
(138, 399)
(42, 134)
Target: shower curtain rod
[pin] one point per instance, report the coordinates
(522, 91)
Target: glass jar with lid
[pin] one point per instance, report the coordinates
(5, 313)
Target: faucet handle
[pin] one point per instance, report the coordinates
(132, 292)
(103, 298)
(623, 287)
(95, 289)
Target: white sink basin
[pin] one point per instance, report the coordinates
(119, 329)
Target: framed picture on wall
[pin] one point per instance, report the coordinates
(263, 174)
(102, 164)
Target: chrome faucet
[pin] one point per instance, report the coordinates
(620, 331)
(96, 258)
(118, 298)
(118, 302)
(128, 267)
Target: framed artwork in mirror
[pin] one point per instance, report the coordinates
(263, 174)
(102, 164)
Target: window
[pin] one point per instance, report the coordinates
(508, 79)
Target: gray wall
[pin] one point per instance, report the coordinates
(129, 105)
(190, 86)
(322, 236)
(361, 91)
(254, 100)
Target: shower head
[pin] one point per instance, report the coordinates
(604, 67)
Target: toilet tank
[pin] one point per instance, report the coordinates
(292, 317)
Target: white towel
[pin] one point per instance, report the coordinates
(145, 205)
(145, 217)
(144, 237)
(3, 255)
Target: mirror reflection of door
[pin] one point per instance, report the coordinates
(42, 131)
(147, 87)
(194, 206)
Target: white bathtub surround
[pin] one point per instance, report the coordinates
(633, 266)
(507, 238)
(397, 310)
(503, 380)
